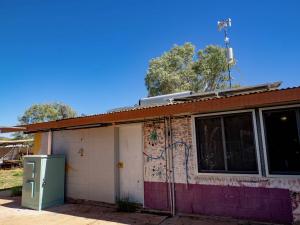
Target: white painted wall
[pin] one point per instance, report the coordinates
(131, 156)
(90, 176)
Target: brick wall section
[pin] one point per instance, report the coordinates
(156, 196)
(186, 175)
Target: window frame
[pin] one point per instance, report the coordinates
(256, 144)
(264, 144)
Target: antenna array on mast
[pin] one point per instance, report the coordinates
(224, 25)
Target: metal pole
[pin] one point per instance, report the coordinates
(168, 164)
(229, 75)
(227, 49)
(173, 169)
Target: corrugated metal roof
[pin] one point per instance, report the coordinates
(134, 108)
(235, 101)
(15, 142)
(5, 129)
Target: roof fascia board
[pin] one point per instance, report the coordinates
(268, 98)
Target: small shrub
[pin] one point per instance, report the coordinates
(18, 174)
(125, 205)
(16, 191)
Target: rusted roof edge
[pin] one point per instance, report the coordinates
(243, 101)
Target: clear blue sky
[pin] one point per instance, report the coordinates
(93, 55)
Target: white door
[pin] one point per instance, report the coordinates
(90, 162)
(131, 163)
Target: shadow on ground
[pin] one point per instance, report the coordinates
(11, 213)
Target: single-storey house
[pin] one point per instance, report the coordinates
(232, 153)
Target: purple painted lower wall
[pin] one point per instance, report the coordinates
(156, 195)
(261, 204)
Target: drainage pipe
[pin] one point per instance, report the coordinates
(168, 164)
(171, 148)
(169, 193)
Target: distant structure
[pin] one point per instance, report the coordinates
(224, 25)
(11, 152)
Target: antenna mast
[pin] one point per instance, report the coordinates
(224, 25)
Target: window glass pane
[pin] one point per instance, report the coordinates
(240, 145)
(209, 144)
(282, 140)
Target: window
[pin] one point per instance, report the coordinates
(282, 139)
(226, 144)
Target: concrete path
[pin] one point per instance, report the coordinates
(81, 214)
(70, 214)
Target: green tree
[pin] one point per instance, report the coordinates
(211, 69)
(38, 113)
(171, 72)
(46, 112)
(180, 70)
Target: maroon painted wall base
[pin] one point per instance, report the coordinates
(261, 204)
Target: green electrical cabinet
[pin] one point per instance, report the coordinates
(43, 181)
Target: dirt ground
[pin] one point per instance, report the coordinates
(11, 213)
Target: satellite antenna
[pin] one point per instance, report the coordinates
(224, 25)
